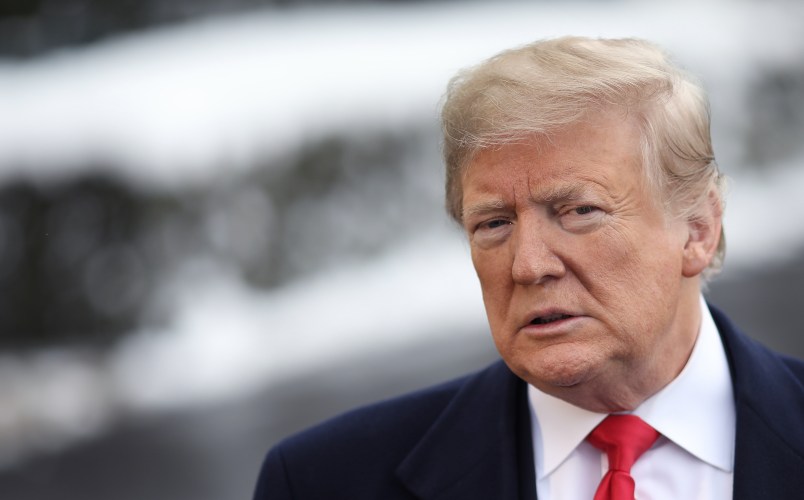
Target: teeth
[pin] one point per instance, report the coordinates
(549, 319)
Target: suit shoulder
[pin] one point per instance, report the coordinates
(397, 420)
(754, 364)
(358, 451)
(795, 365)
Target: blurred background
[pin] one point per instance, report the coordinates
(221, 220)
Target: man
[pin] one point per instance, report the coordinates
(583, 174)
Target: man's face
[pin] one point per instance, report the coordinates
(581, 270)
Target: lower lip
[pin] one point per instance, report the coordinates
(559, 327)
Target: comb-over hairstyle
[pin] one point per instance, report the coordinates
(543, 87)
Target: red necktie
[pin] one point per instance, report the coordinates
(624, 438)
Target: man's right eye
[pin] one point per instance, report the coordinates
(490, 232)
(495, 223)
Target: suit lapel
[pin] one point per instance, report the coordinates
(480, 447)
(769, 447)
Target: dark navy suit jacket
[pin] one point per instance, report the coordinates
(470, 439)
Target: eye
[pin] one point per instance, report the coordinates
(494, 224)
(491, 232)
(582, 219)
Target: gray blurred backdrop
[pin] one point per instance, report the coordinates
(221, 220)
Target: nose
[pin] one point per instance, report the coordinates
(534, 260)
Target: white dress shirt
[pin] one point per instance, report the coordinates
(692, 459)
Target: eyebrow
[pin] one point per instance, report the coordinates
(547, 197)
(561, 193)
(484, 207)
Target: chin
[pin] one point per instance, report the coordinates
(558, 372)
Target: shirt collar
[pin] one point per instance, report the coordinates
(558, 428)
(695, 411)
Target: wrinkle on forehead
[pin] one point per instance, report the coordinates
(560, 167)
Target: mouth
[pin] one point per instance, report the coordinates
(551, 318)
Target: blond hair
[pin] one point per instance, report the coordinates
(545, 86)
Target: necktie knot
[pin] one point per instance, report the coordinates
(624, 438)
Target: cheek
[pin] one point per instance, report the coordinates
(629, 277)
(496, 282)
(639, 284)
(605, 264)
(492, 267)
(632, 256)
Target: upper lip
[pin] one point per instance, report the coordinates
(547, 313)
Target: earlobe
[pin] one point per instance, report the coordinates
(703, 236)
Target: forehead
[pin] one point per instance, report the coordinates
(602, 153)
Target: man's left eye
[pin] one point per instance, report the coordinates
(586, 209)
(582, 219)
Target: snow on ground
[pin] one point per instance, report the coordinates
(173, 106)
(226, 340)
(166, 107)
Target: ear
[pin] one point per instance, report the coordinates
(703, 236)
